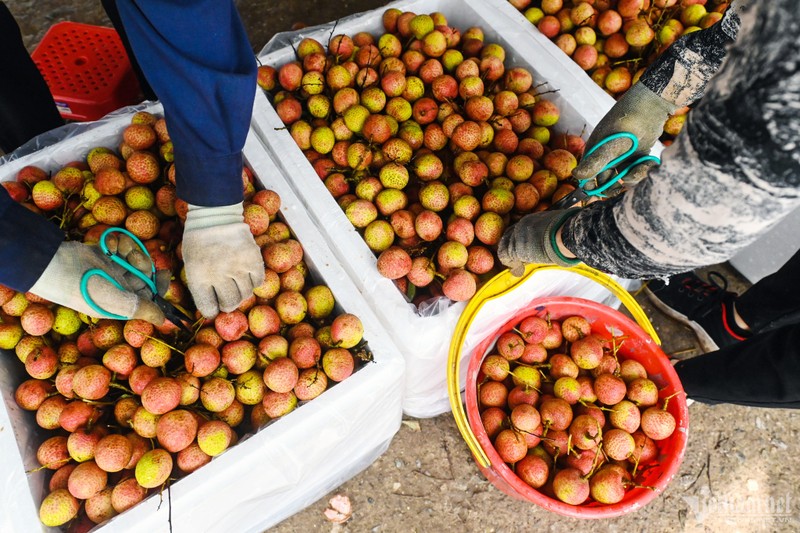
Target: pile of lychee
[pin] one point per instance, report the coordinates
(130, 407)
(430, 142)
(614, 41)
(568, 413)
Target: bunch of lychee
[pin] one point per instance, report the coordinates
(568, 413)
(614, 41)
(430, 143)
(131, 406)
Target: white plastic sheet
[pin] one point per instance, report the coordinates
(267, 476)
(424, 340)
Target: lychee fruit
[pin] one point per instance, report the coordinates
(46, 196)
(533, 470)
(37, 319)
(161, 395)
(338, 364)
(657, 423)
(143, 167)
(311, 383)
(607, 485)
(394, 263)
(570, 486)
(460, 285)
(214, 437)
(126, 494)
(58, 508)
(113, 452)
(154, 468)
(191, 458)
(492, 394)
(87, 480)
(625, 415)
(176, 430)
(510, 445)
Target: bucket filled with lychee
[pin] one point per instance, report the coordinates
(572, 405)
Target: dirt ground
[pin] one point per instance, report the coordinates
(738, 474)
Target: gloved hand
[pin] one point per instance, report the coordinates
(222, 260)
(61, 280)
(640, 112)
(533, 240)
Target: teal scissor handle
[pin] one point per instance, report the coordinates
(614, 162)
(149, 280)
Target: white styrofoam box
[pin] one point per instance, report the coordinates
(424, 340)
(267, 476)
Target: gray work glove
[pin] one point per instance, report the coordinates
(640, 112)
(533, 240)
(222, 260)
(61, 280)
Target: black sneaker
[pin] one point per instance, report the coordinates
(707, 308)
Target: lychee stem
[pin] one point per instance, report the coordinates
(520, 333)
(165, 344)
(95, 402)
(569, 445)
(595, 464)
(636, 461)
(120, 387)
(46, 465)
(668, 398)
(637, 485)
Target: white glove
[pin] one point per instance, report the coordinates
(61, 281)
(640, 112)
(533, 240)
(222, 260)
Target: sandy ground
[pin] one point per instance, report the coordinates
(738, 474)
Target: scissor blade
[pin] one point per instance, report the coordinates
(175, 315)
(575, 197)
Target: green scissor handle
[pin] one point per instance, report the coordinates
(614, 162)
(149, 280)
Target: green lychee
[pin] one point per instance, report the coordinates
(153, 468)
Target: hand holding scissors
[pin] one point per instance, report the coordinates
(608, 175)
(127, 251)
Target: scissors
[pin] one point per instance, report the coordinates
(175, 315)
(580, 194)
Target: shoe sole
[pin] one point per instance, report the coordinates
(706, 342)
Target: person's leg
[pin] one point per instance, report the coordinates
(762, 371)
(773, 301)
(110, 7)
(26, 105)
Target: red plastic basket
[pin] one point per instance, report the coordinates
(87, 70)
(641, 344)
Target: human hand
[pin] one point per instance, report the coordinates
(222, 260)
(61, 280)
(534, 240)
(640, 112)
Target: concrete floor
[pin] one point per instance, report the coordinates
(427, 479)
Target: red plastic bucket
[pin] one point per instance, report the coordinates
(639, 346)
